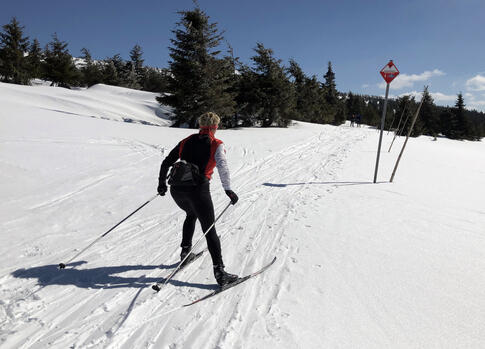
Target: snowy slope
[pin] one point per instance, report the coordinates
(99, 101)
(359, 264)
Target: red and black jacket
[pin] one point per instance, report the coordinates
(198, 149)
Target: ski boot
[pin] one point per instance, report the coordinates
(184, 253)
(222, 277)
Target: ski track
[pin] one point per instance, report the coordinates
(124, 316)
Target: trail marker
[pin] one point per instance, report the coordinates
(389, 72)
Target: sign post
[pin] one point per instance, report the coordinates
(389, 72)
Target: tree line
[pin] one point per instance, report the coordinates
(453, 122)
(200, 78)
(22, 60)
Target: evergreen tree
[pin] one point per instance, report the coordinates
(156, 80)
(199, 81)
(449, 124)
(130, 78)
(110, 73)
(220, 97)
(370, 114)
(299, 79)
(91, 72)
(462, 130)
(14, 66)
(275, 97)
(59, 67)
(118, 64)
(314, 107)
(428, 116)
(246, 96)
(34, 59)
(406, 107)
(136, 54)
(330, 94)
(355, 104)
(114, 71)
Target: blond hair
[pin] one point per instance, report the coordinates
(209, 119)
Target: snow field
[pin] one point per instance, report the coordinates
(359, 264)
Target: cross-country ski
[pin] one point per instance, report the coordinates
(238, 281)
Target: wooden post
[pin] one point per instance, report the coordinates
(407, 137)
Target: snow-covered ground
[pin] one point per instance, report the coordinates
(360, 265)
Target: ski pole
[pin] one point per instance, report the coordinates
(63, 265)
(156, 286)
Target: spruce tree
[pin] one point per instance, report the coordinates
(275, 96)
(199, 81)
(299, 79)
(14, 45)
(354, 103)
(136, 54)
(428, 116)
(34, 59)
(59, 67)
(246, 96)
(130, 78)
(91, 71)
(330, 94)
(462, 124)
(110, 74)
(449, 123)
(406, 107)
(114, 71)
(155, 80)
(370, 115)
(314, 107)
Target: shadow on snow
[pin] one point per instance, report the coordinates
(337, 184)
(99, 278)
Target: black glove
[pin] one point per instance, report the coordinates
(232, 195)
(162, 188)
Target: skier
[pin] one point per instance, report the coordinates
(352, 120)
(359, 120)
(200, 152)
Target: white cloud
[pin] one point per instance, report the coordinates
(365, 85)
(477, 83)
(478, 105)
(405, 80)
(471, 101)
(411, 94)
(437, 96)
(441, 97)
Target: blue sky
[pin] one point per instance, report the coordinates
(436, 43)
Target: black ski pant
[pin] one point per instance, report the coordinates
(197, 204)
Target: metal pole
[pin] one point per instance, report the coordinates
(383, 119)
(63, 265)
(407, 137)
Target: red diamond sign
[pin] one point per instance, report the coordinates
(389, 72)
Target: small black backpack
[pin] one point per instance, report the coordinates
(184, 174)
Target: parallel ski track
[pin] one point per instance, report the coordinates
(321, 156)
(114, 322)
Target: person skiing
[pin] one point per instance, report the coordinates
(199, 154)
(359, 120)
